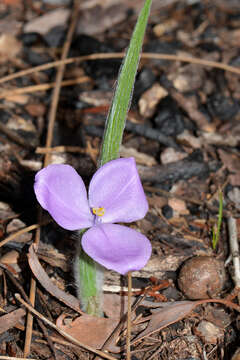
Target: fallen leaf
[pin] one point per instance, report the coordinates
(46, 282)
(169, 314)
(90, 330)
(9, 320)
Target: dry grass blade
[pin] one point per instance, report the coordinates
(129, 316)
(18, 233)
(52, 115)
(42, 87)
(100, 56)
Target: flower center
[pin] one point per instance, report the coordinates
(100, 211)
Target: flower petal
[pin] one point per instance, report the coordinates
(117, 188)
(117, 247)
(60, 190)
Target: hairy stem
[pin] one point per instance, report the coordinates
(89, 276)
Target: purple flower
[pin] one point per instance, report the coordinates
(115, 195)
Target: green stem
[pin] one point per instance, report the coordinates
(88, 273)
(89, 276)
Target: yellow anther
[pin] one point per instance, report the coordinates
(98, 211)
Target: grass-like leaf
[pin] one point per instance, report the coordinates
(116, 118)
(216, 232)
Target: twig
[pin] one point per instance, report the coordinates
(100, 56)
(129, 316)
(18, 233)
(234, 247)
(42, 87)
(51, 120)
(63, 333)
(60, 149)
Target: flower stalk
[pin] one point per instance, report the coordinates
(90, 274)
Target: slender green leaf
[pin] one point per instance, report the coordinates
(116, 118)
(216, 233)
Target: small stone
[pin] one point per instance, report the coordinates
(141, 158)
(188, 78)
(46, 22)
(150, 99)
(202, 277)
(164, 27)
(169, 155)
(179, 206)
(185, 138)
(208, 332)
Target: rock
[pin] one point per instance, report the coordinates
(202, 277)
(179, 206)
(208, 332)
(185, 138)
(43, 24)
(188, 78)
(150, 99)
(169, 155)
(141, 158)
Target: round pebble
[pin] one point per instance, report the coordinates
(202, 277)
